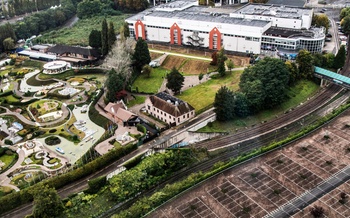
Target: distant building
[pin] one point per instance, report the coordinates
(169, 109)
(252, 28)
(74, 54)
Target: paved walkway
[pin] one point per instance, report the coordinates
(180, 55)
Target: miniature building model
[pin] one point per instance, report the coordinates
(119, 113)
(249, 29)
(169, 109)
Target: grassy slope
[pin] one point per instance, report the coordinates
(151, 84)
(299, 93)
(79, 33)
(203, 95)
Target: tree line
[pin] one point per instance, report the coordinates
(38, 22)
(19, 7)
(265, 84)
(90, 8)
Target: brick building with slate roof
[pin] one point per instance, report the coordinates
(169, 109)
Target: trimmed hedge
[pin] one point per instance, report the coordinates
(96, 184)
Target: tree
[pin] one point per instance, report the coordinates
(344, 13)
(200, 77)
(104, 37)
(345, 25)
(88, 8)
(119, 58)
(114, 83)
(47, 202)
(321, 20)
(125, 31)
(175, 81)
(224, 104)
(265, 83)
(95, 39)
(9, 44)
(241, 105)
(317, 211)
(147, 70)
(221, 62)
(339, 59)
(111, 35)
(305, 63)
(214, 58)
(293, 72)
(141, 55)
(329, 60)
(230, 65)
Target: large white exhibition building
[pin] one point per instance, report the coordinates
(249, 29)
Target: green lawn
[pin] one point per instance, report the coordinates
(79, 33)
(203, 95)
(4, 190)
(8, 159)
(136, 101)
(10, 99)
(145, 84)
(297, 94)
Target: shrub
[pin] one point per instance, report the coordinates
(52, 140)
(96, 184)
(8, 142)
(52, 130)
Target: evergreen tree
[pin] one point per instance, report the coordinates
(111, 35)
(95, 39)
(224, 104)
(104, 37)
(339, 59)
(126, 30)
(241, 105)
(141, 55)
(175, 81)
(47, 202)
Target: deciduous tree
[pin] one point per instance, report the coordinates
(265, 83)
(293, 72)
(175, 81)
(47, 202)
(345, 25)
(221, 62)
(9, 44)
(147, 70)
(305, 63)
(241, 105)
(230, 65)
(320, 20)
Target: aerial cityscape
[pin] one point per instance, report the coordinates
(174, 108)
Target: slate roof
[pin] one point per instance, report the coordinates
(61, 49)
(170, 104)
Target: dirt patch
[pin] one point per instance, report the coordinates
(196, 67)
(154, 55)
(173, 61)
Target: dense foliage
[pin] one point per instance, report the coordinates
(224, 104)
(265, 84)
(321, 20)
(148, 173)
(19, 7)
(114, 83)
(47, 202)
(305, 64)
(221, 57)
(175, 80)
(339, 59)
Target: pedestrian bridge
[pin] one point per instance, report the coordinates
(332, 77)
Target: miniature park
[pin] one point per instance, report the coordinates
(68, 111)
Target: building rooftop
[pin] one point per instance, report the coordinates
(197, 13)
(170, 104)
(294, 33)
(281, 11)
(297, 3)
